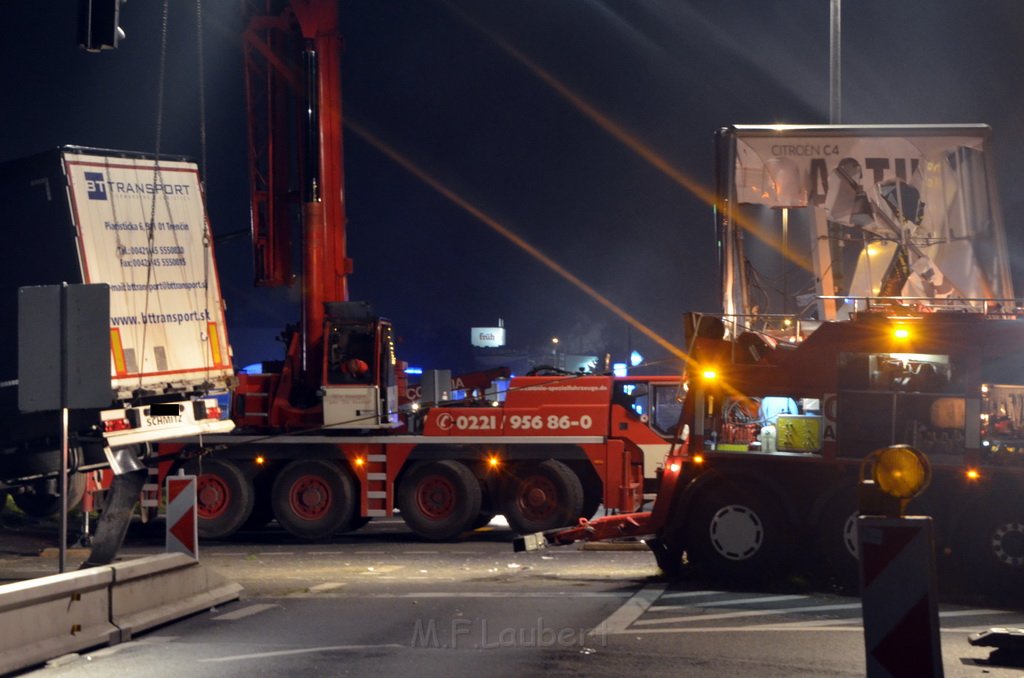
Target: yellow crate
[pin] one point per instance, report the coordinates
(798, 433)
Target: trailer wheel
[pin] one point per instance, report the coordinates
(313, 498)
(39, 502)
(837, 539)
(991, 544)
(439, 500)
(482, 519)
(737, 533)
(224, 497)
(262, 511)
(358, 522)
(542, 496)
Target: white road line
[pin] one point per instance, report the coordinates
(691, 594)
(326, 586)
(724, 603)
(303, 650)
(496, 594)
(748, 613)
(767, 628)
(245, 612)
(276, 553)
(630, 611)
(970, 613)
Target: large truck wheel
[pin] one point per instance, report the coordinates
(482, 519)
(990, 544)
(262, 511)
(736, 532)
(224, 497)
(313, 498)
(439, 500)
(539, 497)
(358, 522)
(43, 501)
(837, 539)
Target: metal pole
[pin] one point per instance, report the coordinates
(62, 547)
(835, 104)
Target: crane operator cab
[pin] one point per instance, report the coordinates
(360, 389)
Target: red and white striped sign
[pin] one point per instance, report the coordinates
(898, 597)
(182, 530)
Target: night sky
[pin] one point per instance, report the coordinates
(575, 124)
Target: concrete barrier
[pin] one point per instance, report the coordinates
(157, 589)
(50, 616)
(46, 617)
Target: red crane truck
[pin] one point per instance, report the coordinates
(868, 303)
(321, 442)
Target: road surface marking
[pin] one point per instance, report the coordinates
(630, 611)
(697, 617)
(326, 586)
(245, 612)
(497, 594)
(724, 603)
(303, 650)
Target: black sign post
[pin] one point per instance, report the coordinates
(63, 360)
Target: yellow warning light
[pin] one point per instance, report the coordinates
(972, 474)
(901, 333)
(260, 460)
(698, 459)
(360, 461)
(710, 374)
(900, 471)
(493, 461)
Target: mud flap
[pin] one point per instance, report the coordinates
(113, 523)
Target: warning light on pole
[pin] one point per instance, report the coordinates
(898, 473)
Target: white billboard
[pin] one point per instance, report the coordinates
(487, 337)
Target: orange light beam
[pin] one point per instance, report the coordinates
(621, 134)
(510, 235)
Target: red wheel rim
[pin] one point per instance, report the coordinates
(538, 498)
(213, 496)
(435, 497)
(310, 497)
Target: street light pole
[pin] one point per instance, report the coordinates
(835, 103)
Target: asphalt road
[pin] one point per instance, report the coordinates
(381, 602)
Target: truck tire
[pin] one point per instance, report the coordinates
(990, 546)
(313, 498)
(40, 503)
(224, 497)
(737, 533)
(358, 522)
(837, 540)
(439, 500)
(482, 519)
(539, 497)
(262, 511)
